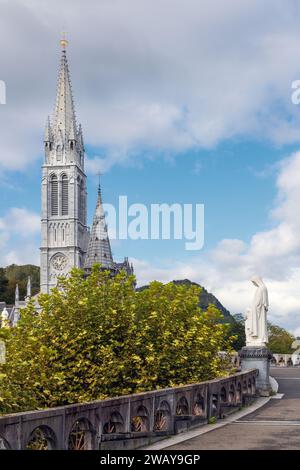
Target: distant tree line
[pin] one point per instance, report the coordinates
(12, 275)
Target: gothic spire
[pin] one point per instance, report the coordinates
(64, 120)
(99, 250)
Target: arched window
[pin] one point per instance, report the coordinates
(54, 195)
(64, 196)
(82, 201)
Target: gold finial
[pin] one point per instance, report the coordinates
(64, 42)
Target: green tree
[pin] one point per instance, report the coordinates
(3, 283)
(236, 328)
(97, 337)
(14, 274)
(280, 340)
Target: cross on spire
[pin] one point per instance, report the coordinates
(64, 42)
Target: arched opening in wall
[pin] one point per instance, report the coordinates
(162, 417)
(239, 392)
(4, 445)
(64, 195)
(231, 394)
(249, 389)
(81, 436)
(289, 362)
(140, 420)
(182, 407)
(245, 389)
(281, 362)
(54, 195)
(41, 438)
(214, 404)
(253, 386)
(115, 424)
(223, 395)
(199, 405)
(58, 152)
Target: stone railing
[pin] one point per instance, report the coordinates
(127, 422)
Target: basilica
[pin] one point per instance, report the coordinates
(66, 240)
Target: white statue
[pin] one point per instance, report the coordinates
(256, 316)
(4, 318)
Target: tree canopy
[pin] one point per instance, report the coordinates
(97, 337)
(12, 275)
(280, 340)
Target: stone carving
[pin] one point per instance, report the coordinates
(59, 262)
(256, 316)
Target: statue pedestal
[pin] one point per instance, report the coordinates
(258, 357)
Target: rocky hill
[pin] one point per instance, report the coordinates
(206, 298)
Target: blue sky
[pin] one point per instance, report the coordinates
(180, 102)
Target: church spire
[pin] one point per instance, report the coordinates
(99, 250)
(64, 121)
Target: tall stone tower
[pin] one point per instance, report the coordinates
(64, 232)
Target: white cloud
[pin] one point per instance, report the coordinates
(167, 75)
(18, 229)
(274, 254)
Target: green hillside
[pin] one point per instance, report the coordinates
(12, 275)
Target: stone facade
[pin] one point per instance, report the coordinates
(64, 231)
(65, 237)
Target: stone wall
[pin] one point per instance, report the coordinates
(128, 422)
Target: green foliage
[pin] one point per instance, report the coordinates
(97, 337)
(12, 275)
(3, 283)
(236, 328)
(280, 340)
(212, 420)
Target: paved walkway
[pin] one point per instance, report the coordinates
(274, 426)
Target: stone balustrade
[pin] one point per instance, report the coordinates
(128, 422)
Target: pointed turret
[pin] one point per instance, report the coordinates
(72, 133)
(28, 290)
(99, 250)
(48, 137)
(17, 296)
(80, 137)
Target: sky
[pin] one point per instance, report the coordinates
(180, 102)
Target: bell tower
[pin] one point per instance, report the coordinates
(64, 232)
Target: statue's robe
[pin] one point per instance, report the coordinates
(259, 308)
